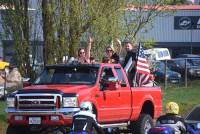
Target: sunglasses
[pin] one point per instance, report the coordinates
(81, 52)
(109, 50)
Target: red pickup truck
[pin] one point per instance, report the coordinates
(49, 103)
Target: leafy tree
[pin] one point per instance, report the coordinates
(149, 43)
(16, 24)
(68, 22)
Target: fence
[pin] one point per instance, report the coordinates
(177, 71)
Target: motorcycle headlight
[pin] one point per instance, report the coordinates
(10, 102)
(70, 102)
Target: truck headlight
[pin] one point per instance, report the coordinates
(10, 102)
(70, 102)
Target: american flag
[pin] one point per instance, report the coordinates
(142, 68)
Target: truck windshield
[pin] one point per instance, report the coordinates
(68, 75)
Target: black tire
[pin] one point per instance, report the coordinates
(143, 124)
(15, 130)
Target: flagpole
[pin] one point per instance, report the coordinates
(134, 84)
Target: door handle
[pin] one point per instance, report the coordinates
(119, 94)
(97, 95)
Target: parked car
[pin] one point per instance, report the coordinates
(172, 76)
(193, 119)
(178, 65)
(188, 56)
(157, 54)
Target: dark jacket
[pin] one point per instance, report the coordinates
(115, 56)
(174, 121)
(84, 121)
(128, 56)
(132, 70)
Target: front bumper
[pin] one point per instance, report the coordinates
(64, 115)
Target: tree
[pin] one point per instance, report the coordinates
(48, 31)
(16, 25)
(67, 22)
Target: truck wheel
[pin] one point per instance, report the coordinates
(15, 130)
(143, 124)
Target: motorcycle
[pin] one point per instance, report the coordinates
(190, 129)
(161, 130)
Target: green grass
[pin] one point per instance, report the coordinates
(3, 124)
(2, 111)
(185, 97)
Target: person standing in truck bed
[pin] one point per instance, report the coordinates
(110, 55)
(84, 54)
(130, 59)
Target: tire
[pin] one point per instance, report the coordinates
(15, 130)
(53, 130)
(143, 124)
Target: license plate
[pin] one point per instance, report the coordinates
(34, 120)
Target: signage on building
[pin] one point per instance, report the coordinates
(186, 22)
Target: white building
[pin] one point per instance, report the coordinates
(180, 31)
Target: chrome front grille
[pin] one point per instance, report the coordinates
(38, 101)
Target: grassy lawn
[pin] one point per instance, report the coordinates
(185, 97)
(3, 124)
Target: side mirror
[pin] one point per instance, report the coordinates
(112, 83)
(26, 82)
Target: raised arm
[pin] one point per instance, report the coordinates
(88, 48)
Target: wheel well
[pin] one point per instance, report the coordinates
(148, 108)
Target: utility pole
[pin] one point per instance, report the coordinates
(191, 41)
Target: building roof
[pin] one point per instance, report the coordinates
(167, 7)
